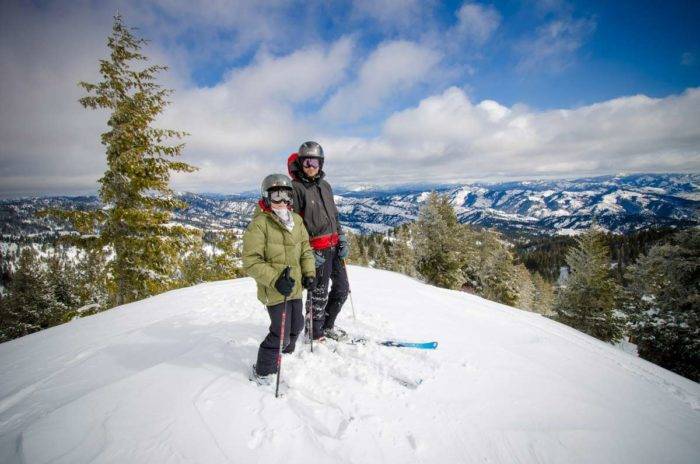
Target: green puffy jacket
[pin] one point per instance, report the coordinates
(268, 248)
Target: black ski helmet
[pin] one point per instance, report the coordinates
(310, 150)
(274, 181)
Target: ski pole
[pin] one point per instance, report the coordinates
(310, 315)
(282, 325)
(352, 305)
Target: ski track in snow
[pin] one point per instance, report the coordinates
(166, 380)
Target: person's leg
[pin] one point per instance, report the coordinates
(319, 296)
(339, 290)
(295, 323)
(267, 353)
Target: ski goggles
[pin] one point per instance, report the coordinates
(279, 196)
(311, 163)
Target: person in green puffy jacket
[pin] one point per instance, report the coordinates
(275, 240)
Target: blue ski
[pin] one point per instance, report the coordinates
(420, 346)
(395, 343)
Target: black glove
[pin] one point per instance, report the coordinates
(308, 283)
(285, 284)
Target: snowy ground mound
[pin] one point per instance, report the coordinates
(166, 380)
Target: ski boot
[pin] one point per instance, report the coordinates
(336, 333)
(261, 380)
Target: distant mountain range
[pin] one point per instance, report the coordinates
(618, 203)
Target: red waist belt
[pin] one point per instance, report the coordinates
(324, 241)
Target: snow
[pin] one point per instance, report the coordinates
(165, 380)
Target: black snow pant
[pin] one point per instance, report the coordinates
(267, 354)
(326, 305)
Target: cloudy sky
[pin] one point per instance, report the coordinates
(395, 91)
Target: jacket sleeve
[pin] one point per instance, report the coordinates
(297, 199)
(308, 261)
(254, 262)
(337, 214)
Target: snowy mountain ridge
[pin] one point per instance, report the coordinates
(165, 380)
(617, 203)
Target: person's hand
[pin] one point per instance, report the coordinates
(318, 256)
(285, 283)
(308, 283)
(343, 247)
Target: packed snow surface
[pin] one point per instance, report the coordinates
(165, 380)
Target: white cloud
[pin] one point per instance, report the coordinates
(244, 127)
(554, 45)
(393, 68)
(406, 16)
(239, 126)
(49, 144)
(447, 137)
(45, 135)
(477, 23)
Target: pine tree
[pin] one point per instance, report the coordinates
(589, 300)
(663, 301)
(525, 288)
(358, 252)
(195, 266)
(226, 260)
(93, 283)
(438, 243)
(402, 257)
(543, 301)
(498, 280)
(138, 202)
(62, 277)
(29, 305)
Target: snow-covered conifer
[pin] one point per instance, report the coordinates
(138, 202)
(438, 243)
(664, 304)
(590, 299)
(30, 304)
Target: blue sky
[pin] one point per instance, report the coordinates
(409, 91)
(627, 47)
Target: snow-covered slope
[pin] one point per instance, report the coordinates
(165, 380)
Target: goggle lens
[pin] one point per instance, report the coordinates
(311, 163)
(279, 196)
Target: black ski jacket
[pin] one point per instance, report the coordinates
(313, 201)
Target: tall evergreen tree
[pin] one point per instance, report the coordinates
(589, 300)
(497, 274)
(194, 267)
(30, 304)
(664, 304)
(543, 301)
(358, 250)
(93, 283)
(138, 202)
(402, 257)
(62, 277)
(438, 243)
(226, 260)
(525, 288)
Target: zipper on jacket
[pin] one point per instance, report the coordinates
(325, 208)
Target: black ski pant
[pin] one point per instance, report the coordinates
(294, 324)
(326, 305)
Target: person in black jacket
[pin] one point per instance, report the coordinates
(313, 200)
